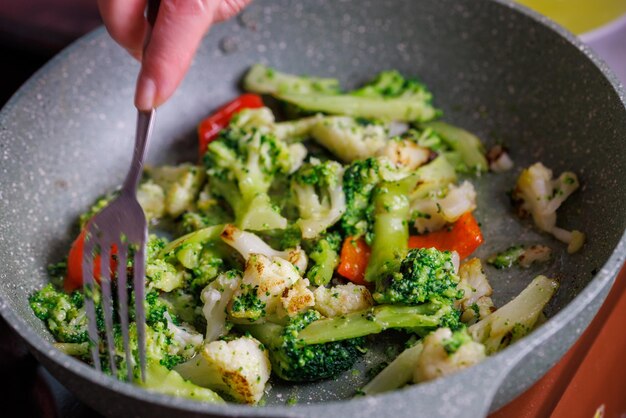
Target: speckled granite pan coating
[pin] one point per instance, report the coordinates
(494, 68)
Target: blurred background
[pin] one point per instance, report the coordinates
(591, 378)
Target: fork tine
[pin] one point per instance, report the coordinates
(122, 300)
(107, 302)
(140, 314)
(89, 285)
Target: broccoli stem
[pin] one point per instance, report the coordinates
(391, 230)
(397, 374)
(373, 321)
(405, 109)
(187, 248)
(466, 144)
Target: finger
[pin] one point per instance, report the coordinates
(229, 8)
(177, 33)
(125, 22)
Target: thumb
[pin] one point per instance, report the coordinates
(177, 32)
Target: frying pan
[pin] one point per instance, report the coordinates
(495, 68)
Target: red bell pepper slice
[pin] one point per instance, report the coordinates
(74, 277)
(210, 127)
(463, 236)
(355, 254)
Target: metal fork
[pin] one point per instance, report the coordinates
(121, 226)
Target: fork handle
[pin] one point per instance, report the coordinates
(145, 120)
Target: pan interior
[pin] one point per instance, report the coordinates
(67, 137)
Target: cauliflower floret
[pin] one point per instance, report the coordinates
(478, 310)
(445, 353)
(319, 196)
(264, 282)
(432, 213)
(473, 282)
(247, 243)
(499, 159)
(184, 337)
(298, 298)
(342, 299)
(181, 185)
(239, 368)
(537, 194)
(476, 302)
(215, 297)
(406, 154)
(348, 139)
(151, 198)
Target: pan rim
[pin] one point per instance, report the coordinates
(601, 280)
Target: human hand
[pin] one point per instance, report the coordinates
(177, 32)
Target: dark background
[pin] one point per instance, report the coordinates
(591, 375)
(32, 32)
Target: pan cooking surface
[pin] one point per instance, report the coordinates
(66, 138)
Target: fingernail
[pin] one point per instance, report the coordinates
(146, 93)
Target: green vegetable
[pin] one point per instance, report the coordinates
(419, 319)
(263, 79)
(397, 374)
(468, 146)
(391, 230)
(64, 314)
(359, 181)
(291, 360)
(426, 274)
(318, 193)
(323, 259)
(506, 258)
(515, 319)
(388, 97)
(160, 379)
(241, 167)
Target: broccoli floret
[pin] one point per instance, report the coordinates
(242, 166)
(293, 361)
(359, 181)
(468, 147)
(388, 97)
(100, 204)
(349, 139)
(506, 258)
(318, 191)
(323, 258)
(247, 303)
(266, 80)
(425, 274)
(64, 314)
